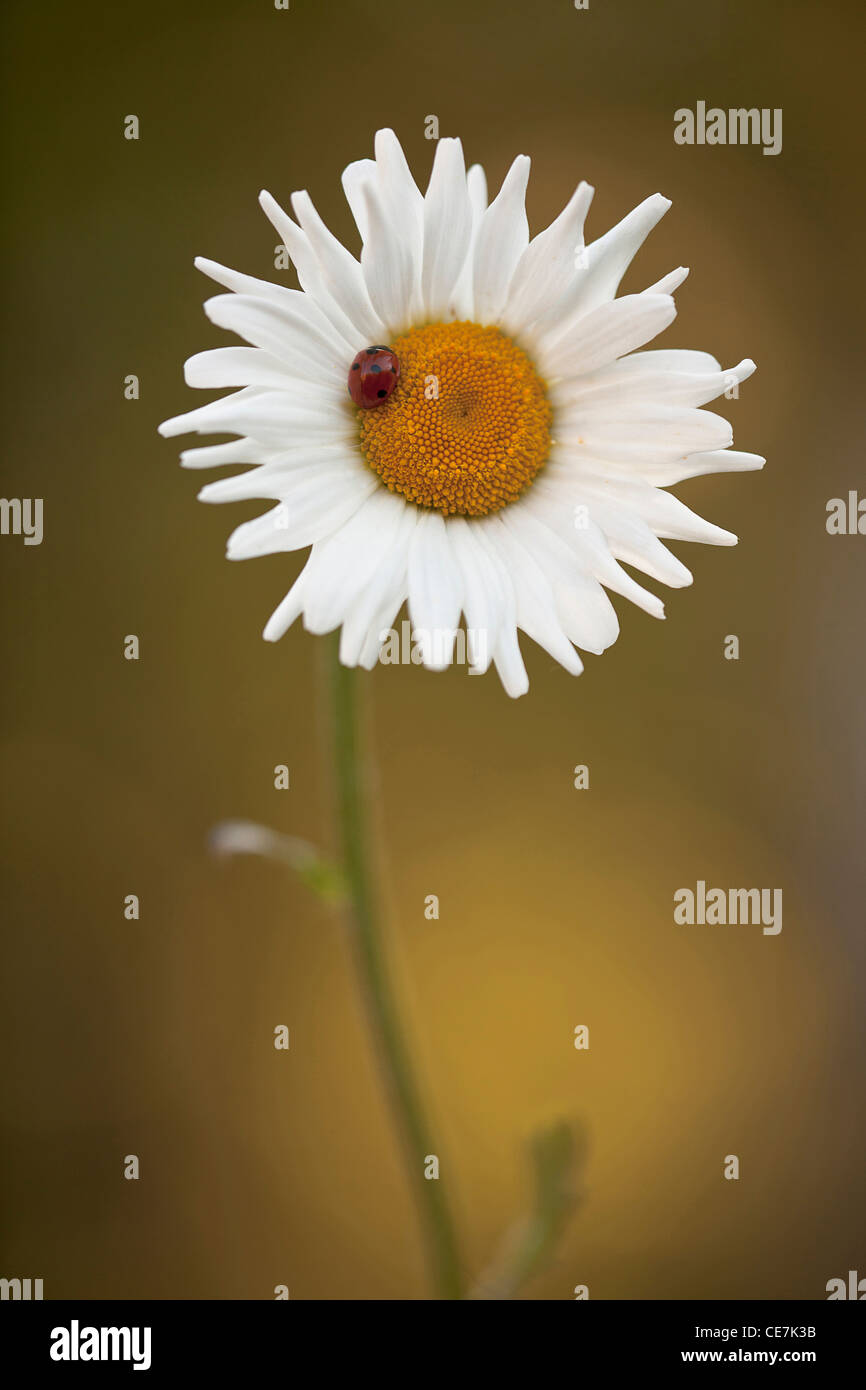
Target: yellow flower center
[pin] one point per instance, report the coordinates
(468, 425)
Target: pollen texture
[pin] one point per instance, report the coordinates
(468, 426)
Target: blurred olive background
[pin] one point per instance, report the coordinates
(156, 1037)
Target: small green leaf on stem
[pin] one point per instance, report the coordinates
(319, 873)
(557, 1155)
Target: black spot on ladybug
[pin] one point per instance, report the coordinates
(356, 366)
(375, 367)
(381, 393)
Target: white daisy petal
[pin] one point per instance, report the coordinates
(307, 515)
(218, 455)
(620, 386)
(631, 536)
(548, 261)
(696, 465)
(314, 281)
(536, 606)
(508, 660)
(502, 238)
(669, 360)
(391, 234)
(447, 229)
(287, 611)
(270, 417)
(669, 283)
(476, 185)
(298, 336)
(371, 648)
(384, 593)
(476, 190)
(610, 256)
(434, 590)
(342, 274)
(388, 264)
(586, 614)
(667, 515)
(405, 203)
(246, 284)
(342, 565)
(488, 594)
(356, 177)
(655, 433)
(284, 476)
(600, 268)
(200, 417)
(235, 366)
(565, 509)
(608, 332)
(404, 197)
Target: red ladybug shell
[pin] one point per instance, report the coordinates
(372, 376)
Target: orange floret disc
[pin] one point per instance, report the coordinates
(468, 426)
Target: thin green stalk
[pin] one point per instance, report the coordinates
(373, 974)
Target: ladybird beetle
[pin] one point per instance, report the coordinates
(373, 376)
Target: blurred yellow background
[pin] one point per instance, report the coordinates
(155, 1037)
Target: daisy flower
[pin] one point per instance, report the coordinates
(465, 418)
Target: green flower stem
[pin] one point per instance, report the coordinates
(373, 973)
